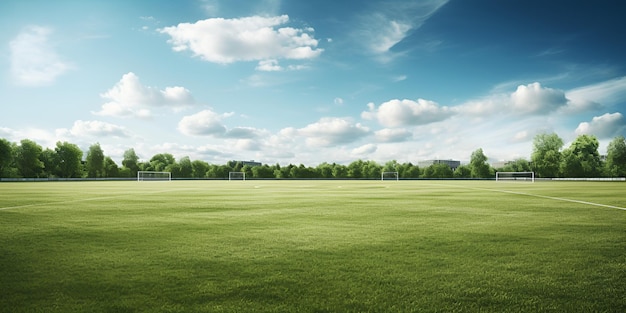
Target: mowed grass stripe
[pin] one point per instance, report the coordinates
(300, 246)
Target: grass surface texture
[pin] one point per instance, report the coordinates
(313, 246)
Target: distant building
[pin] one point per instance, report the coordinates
(451, 163)
(251, 163)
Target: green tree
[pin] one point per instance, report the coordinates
(392, 166)
(263, 171)
(463, 171)
(131, 161)
(110, 168)
(371, 169)
(199, 169)
(478, 164)
(355, 169)
(438, 170)
(69, 157)
(340, 171)
(160, 162)
(27, 159)
(325, 170)
(408, 170)
(616, 157)
(6, 157)
(582, 159)
(517, 165)
(185, 168)
(546, 155)
(50, 161)
(95, 161)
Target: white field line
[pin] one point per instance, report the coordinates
(548, 197)
(88, 199)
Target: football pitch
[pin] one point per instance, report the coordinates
(313, 246)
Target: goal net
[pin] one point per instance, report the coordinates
(154, 176)
(236, 176)
(515, 176)
(389, 176)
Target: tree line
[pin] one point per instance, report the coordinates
(27, 159)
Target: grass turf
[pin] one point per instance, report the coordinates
(312, 246)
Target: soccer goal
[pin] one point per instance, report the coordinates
(236, 176)
(154, 176)
(389, 176)
(515, 176)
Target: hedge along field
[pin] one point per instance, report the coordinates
(312, 246)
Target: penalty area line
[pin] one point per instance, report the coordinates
(548, 197)
(560, 199)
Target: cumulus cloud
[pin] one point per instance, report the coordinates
(34, 61)
(254, 38)
(97, 129)
(392, 135)
(531, 99)
(203, 123)
(405, 112)
(209, 123)
(130, 98)
(605, 126)
(329, 131)
(535, 99)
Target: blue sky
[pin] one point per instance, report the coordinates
(311, 81)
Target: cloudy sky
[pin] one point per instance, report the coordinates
(295, 81)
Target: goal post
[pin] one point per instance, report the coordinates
(153, 176)
(236, 176)
(389, 176)
(515, 176)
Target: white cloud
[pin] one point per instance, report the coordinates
(365, 150)
(399, 78)
(338, 101)
(405, 112)
(531, 99)
(97, 129)
(242, 133)
(486, 106)
(389, 35)
(597, 96)
(129, 98)
(392, 135)
(329, 131)
(254, 38)
(604, 126)
(393, 21)
(203, 123)
(534, 99)
(209, 123)
(33, 59)
(269, 66)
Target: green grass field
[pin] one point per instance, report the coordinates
(313, 246)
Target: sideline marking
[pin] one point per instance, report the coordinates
(546, 197)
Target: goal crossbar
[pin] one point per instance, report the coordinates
(236, 176)
(521, 176)
(153, 176)
(389, 176)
